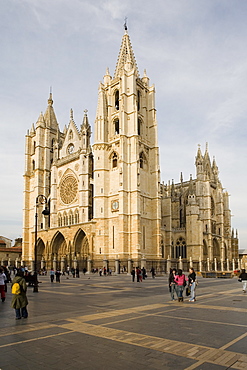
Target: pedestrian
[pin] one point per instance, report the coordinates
(68, 269)
(133, 274)
(2, 284)
(192, 284)
(137, 275)
(77, 272)
(52, 275)
(58, 274)
(73, 272)
(152, 272)
(243, 279)
(19, 299)
(172, 284)
(180, 281)
(100, 272)
(144, 275)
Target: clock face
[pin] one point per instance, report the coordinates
(71, 148)
(115, 205)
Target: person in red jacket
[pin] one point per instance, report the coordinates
(180, 281)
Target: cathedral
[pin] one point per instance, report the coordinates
(104, 205)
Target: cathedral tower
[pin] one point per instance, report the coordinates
(126, 164)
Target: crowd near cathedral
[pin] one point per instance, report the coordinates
(103, 204)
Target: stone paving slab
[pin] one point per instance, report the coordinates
(109, 322)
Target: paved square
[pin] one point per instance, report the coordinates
(109, 322)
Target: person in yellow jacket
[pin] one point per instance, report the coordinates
(19, 301)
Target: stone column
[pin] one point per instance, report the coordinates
(55, 263)
(129, 266)
(17, 262)
(191, 262)
(105, 263)
(32, 266)
(180, 263)
(215, 264)
(9, 262)
(75, 262)
(117, 266)
(233, 264)
(227, 264)
(208, 264)
(63, 264)
(89, 265)
(239, 265)
(42, 263)
(143, 262)
(222, 264)
(200, 264)
(168, 265)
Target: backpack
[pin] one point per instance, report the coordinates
(16, 289)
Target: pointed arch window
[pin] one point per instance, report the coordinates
(138, 100)
(33, 165)
(117, 99)
(60, 220)
(116, 127)
(114, 160)
(76, 216)
(181, 249)
(139, 127)
(142, 160)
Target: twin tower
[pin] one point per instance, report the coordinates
(105, 205)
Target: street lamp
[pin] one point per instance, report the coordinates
(41, 199)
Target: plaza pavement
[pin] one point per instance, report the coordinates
(108, 322)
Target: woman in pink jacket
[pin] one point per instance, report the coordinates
(180, 281)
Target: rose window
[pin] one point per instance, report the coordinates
(68, 189)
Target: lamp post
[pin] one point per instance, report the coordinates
(41, 199)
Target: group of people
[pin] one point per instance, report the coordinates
(178, 282)
(19, 298)
(141, 274)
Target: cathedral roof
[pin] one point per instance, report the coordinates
(126, 56)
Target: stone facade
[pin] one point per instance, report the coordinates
(106, 205)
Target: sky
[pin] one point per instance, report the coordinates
(194, 53)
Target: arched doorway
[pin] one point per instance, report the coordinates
(81, 249)
(59, 251)
(216, 249)
(40, 252)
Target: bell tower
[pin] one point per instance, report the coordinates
(126, 164)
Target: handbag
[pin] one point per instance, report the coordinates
(187, 291)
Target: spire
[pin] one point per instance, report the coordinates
(85, 124)
(191, 191)
(40, 121)
(199, 158)
(126, 55)
(49, 116)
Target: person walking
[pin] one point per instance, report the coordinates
(172, 284)
(152, 272)
(180, 281)
(19, 300)
(3, 279)
(57, 274)
(52, 275)
(133, 274)
(192, 284)
(243, 279)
